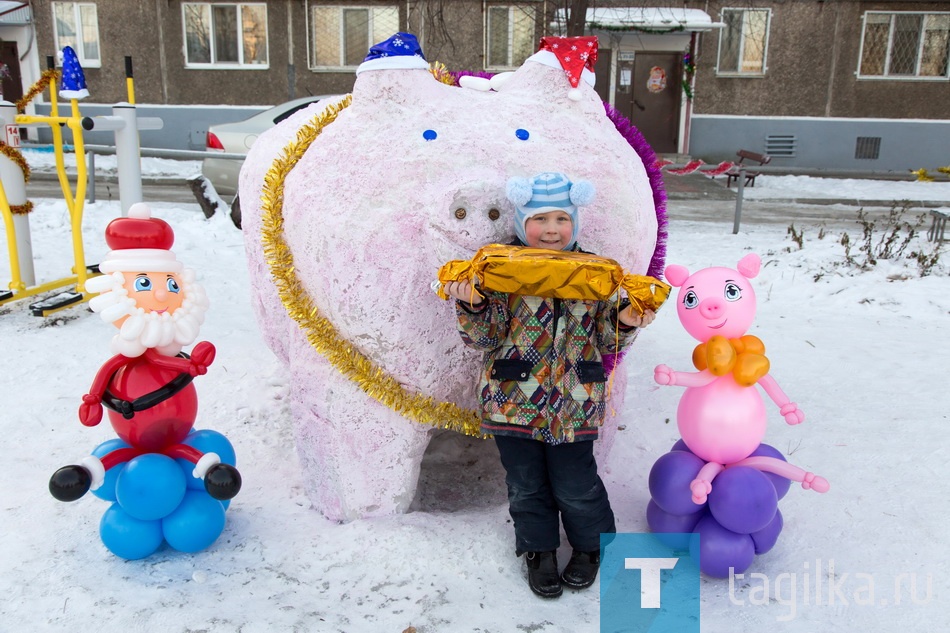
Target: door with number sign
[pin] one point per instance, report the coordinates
(11, 87)
(648, 93)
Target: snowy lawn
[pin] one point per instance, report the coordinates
(863, 354)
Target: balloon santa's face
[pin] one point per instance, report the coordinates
(144, 290)
(155, 292)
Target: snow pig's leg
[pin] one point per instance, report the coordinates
(359, 458)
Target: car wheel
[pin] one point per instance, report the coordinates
(236, 211)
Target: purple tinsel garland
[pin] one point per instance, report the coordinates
(469, 73)
(655, 175)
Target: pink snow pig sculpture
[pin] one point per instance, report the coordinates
(350, 208)
(721, 416)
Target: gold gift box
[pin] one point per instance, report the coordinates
(541, 272)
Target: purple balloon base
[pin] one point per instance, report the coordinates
(739, 520)
(157, 500)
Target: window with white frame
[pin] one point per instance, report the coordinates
(743, 42)
(222, 35)
(905, 45)
(77, 26)
(342, 35)
(511, 35)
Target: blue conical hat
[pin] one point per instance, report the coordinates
(73, 85)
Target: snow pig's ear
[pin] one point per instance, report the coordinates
(676, 274)
(749, 265)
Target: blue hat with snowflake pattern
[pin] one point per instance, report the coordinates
(73, 85)
(399, 52)
(549, 191)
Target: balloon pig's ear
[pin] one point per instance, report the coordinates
(749, 265)
(676, 274)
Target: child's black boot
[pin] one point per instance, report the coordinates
(542, 574)
(581, 570)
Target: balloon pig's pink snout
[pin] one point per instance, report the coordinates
(712, 308)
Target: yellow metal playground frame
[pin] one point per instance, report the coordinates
(74, 200)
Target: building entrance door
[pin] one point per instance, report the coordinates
(648, 93)
(12, 87)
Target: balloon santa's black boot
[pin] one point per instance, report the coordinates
(70, 483)
(223, 482)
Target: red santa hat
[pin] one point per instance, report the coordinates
(140, 244)
(575, 55)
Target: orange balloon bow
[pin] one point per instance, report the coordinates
(744, 357)
(542, 272)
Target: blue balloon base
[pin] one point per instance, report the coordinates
(157, 499)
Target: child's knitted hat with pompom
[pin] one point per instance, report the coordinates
(550, 191)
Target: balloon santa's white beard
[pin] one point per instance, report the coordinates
(166, 333)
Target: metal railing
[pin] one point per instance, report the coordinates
(158, 152)
(776, 170)
(150, 152)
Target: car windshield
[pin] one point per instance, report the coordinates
(286, 114)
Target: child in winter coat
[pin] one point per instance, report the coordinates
(542, 391)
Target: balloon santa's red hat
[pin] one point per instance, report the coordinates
(140, 243)
(577, 56)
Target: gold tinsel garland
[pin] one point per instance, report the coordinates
(14, 154)
(21, 209)
(38, 87)
(441, 73)
(320, 332)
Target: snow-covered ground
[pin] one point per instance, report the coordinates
(863, 354)
(817, 188)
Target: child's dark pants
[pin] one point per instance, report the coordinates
(544, 480)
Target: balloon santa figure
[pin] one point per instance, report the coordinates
(720, 480)
(168, 482)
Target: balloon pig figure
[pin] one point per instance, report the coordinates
(721, 416)
(167, 480)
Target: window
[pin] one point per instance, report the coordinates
(343, 35)
(905, 45)
(511, 35)
(744, 41)
(225, 35)
(78, 27)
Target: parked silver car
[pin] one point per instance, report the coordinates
(237, 138)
